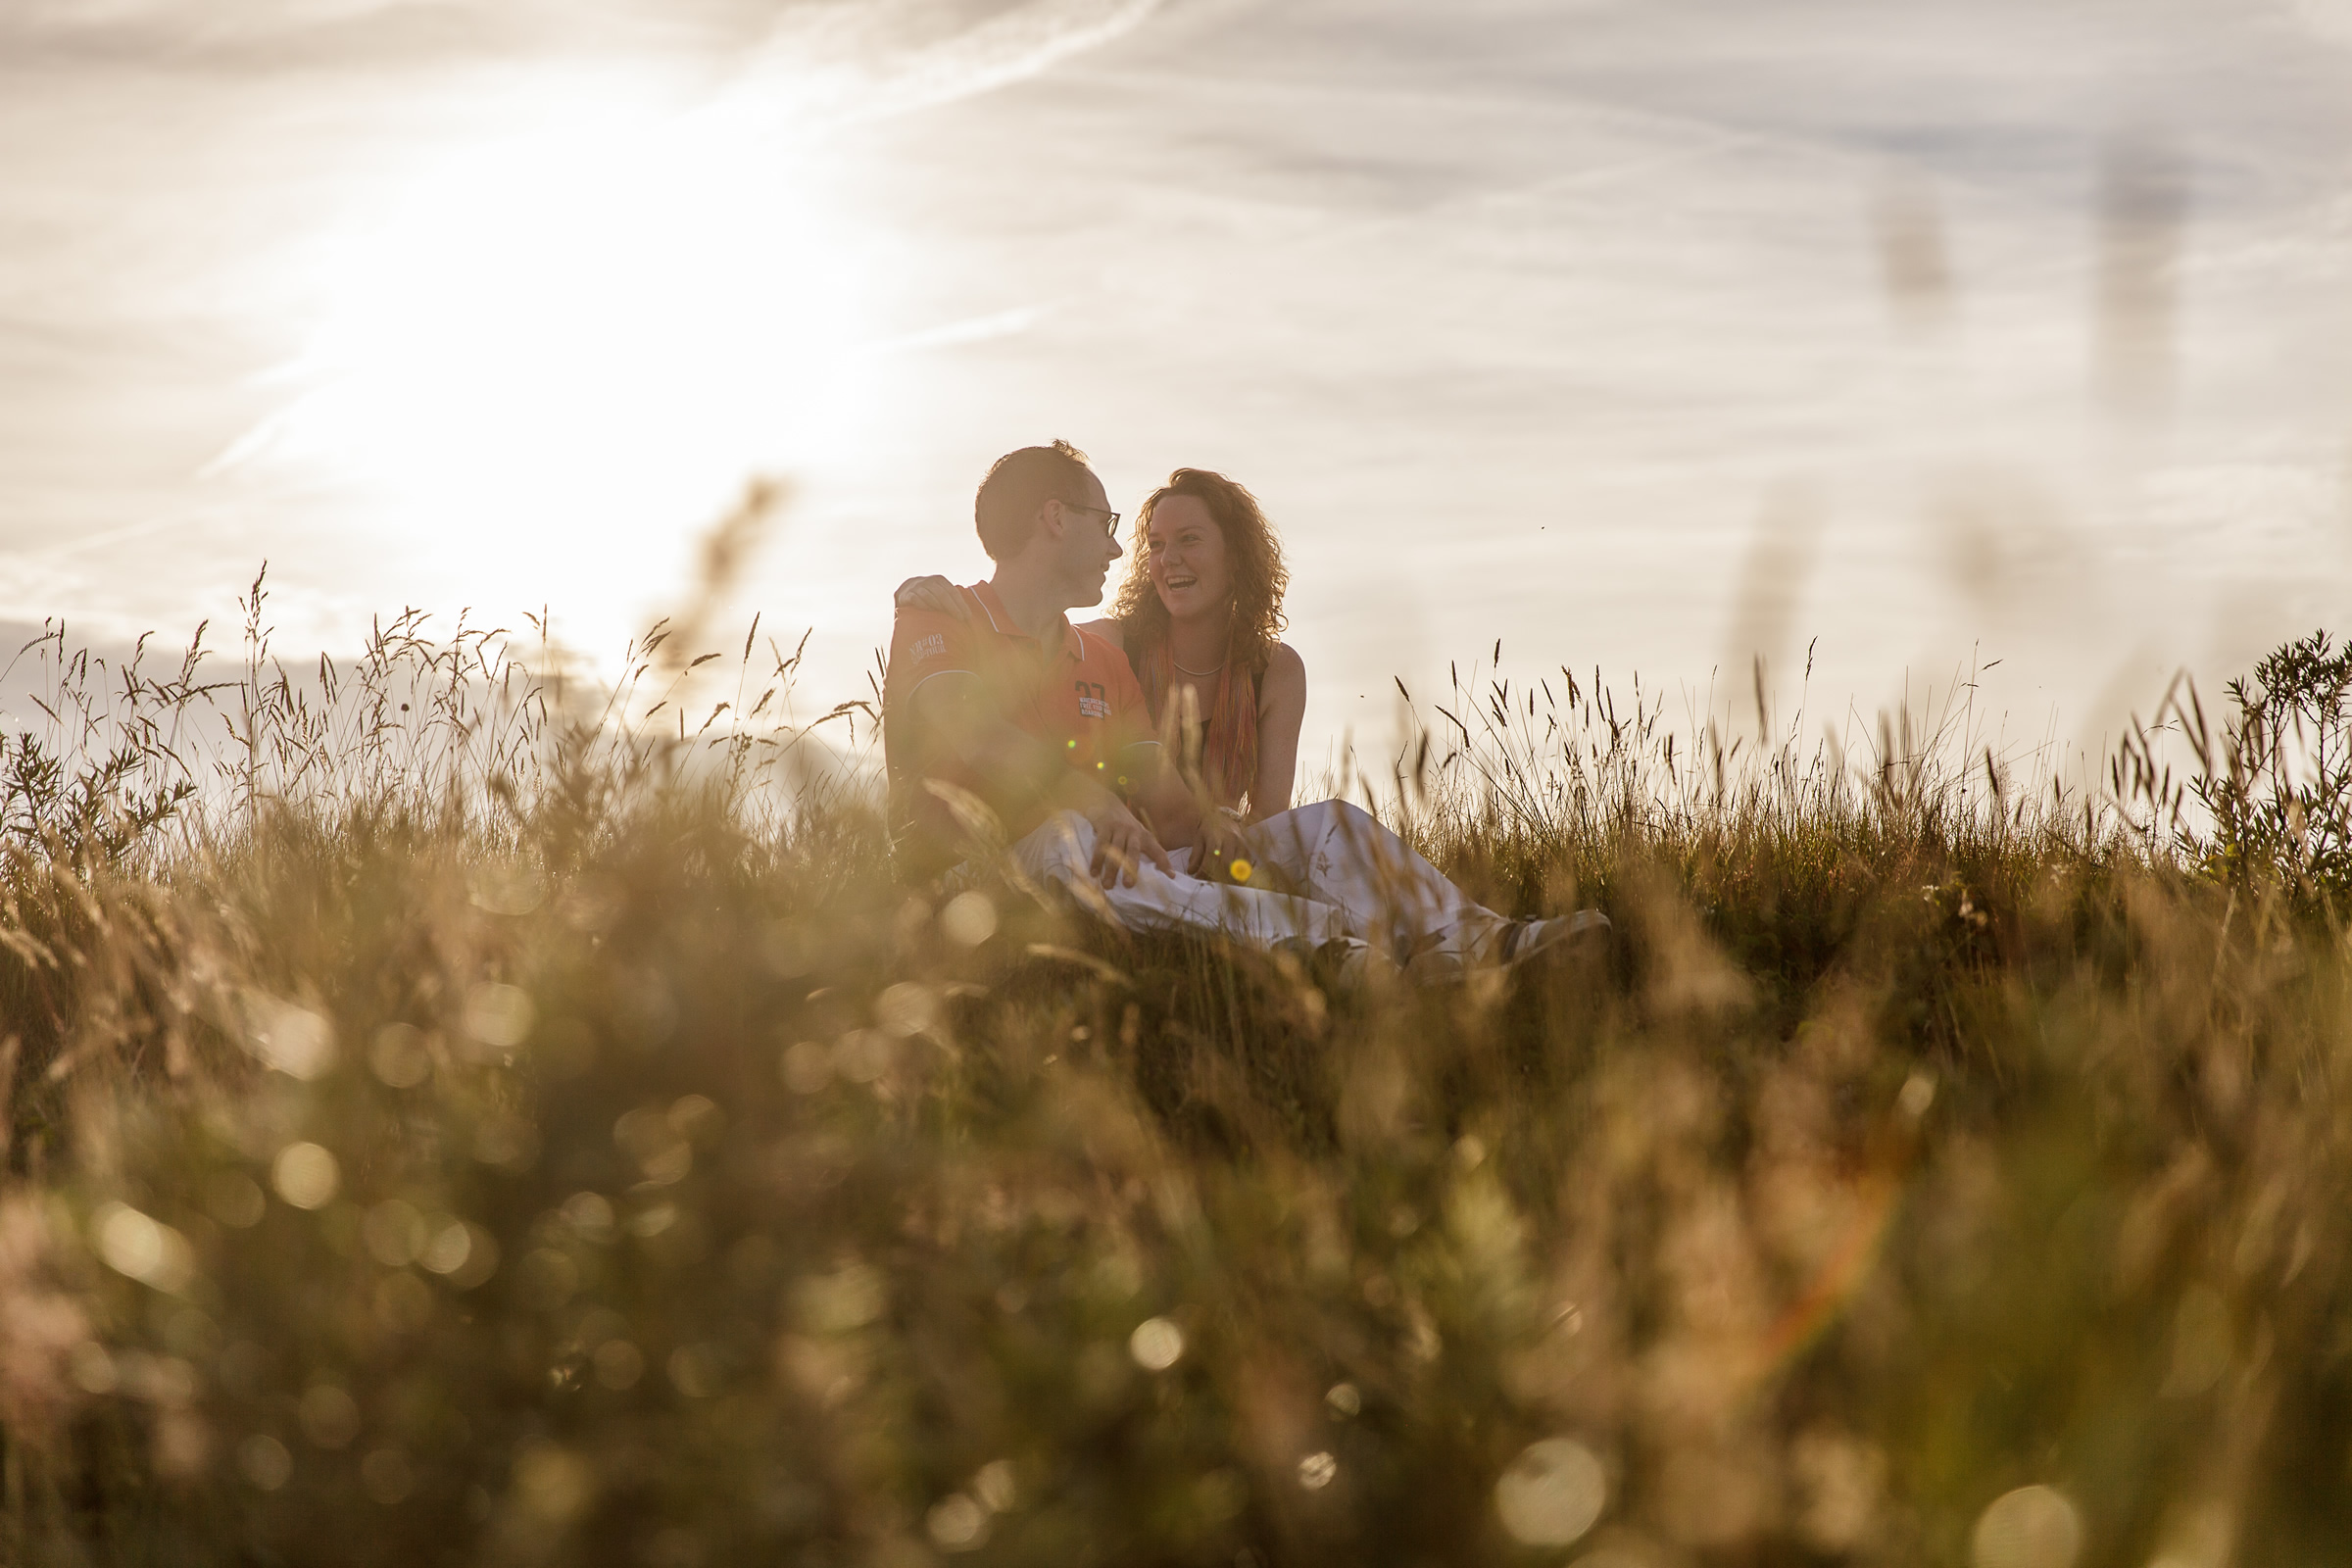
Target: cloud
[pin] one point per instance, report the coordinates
(957, 334)
(234, 39)
(875, 61)
(134, 28)
(2332, 19)
(882, 56)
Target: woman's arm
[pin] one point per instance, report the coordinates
(1281, 709)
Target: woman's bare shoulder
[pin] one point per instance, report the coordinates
(1285, 677)
(1110, 631)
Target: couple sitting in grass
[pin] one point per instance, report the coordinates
(1144, 764)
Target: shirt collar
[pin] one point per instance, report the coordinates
(1001, 621)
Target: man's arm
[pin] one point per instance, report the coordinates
(1017, 766)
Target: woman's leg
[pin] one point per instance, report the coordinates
(1339, 855)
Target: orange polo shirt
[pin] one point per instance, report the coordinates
(1079, 697)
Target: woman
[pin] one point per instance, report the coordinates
(1199, 617)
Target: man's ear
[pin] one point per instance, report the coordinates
(1051, 521)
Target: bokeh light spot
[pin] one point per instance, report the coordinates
(92, 1369)
(232, 1197)
(399, 1057)
(387, 1476)
(995, 1487)
(1553, 1492)
(264, 1462)
(863, 1054)
(306, 1175)
(957, 1524)
(395, 1233)
(2033, 1527)
(294, 1041)
(806, 1066)
(968, 920)
(499, 1017)
(142, 1248)
(908, 1009)
(329, 1416)
(618, 1365)
(1157, 1344)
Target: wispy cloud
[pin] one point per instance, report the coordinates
(238, 40)
(889, 55)
(957, 334)
(871, 62)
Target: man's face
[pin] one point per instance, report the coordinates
(1088, 544)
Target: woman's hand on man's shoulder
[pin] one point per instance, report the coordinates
(935, 594)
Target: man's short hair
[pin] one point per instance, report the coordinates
(1018, 484)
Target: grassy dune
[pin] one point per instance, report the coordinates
(519, 1129)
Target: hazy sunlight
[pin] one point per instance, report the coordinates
(567, 345)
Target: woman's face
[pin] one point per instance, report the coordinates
(1187, 558)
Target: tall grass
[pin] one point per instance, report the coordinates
(461, 1113)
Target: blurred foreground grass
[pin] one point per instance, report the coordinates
(466, 1126)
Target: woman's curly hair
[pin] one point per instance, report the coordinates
(1253, 558)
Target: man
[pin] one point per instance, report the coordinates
(1004, 716)
(1014, 707)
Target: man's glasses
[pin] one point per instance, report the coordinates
(1110, 520)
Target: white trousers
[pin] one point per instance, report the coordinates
(1355, 879)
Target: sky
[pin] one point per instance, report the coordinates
(1912, 337)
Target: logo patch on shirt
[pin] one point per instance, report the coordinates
(1093, 701)
(929, 648)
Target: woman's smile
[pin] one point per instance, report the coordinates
(1188, 556)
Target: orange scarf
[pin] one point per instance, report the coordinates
(1214, 736)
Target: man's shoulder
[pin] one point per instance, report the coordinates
(925, 641)
(1094, 645)
(1104, 630)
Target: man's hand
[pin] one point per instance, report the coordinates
(1121, 845)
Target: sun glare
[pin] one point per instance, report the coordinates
(557, 353)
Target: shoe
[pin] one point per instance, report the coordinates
(1342, 965)
(1523, 940)
(1436, 966)
(1519, 942)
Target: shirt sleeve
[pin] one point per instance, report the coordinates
(924, 642)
